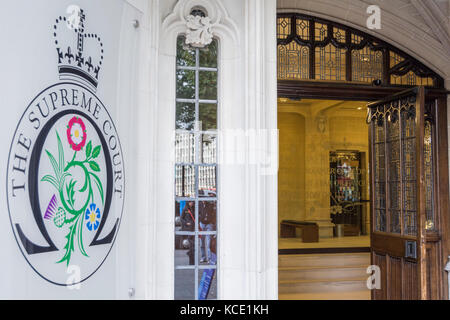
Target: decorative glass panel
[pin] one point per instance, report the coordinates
(303, 29)
(356, 39)
(393, 128)
(367, 65)
(409, 168)
(330, 63)
(293, 62)
(410, 79)
(395, 59)
(283, 28)
(339, 35)
(429, 177)
(331, 46)
(393, 161)
(380, 178)
(321, 31)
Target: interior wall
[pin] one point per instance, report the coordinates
(291, 188)
(309, 130)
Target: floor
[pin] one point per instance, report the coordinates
(343, 242)
(338, 276)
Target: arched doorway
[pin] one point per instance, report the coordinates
(323, 68)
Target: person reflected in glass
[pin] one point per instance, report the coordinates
(188, 224)
(207, 216)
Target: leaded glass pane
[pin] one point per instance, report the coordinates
(379, 174)
(356, 39)
(330, 63)
(339, 35)
(303, 29)
(293, 62)
(409, 174)
(429, 176)
(283, 28)
(411, 79)
(393, 156)
(304, 40)
(367, 65)
(321, 31)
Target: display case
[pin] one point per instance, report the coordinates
(345, 190)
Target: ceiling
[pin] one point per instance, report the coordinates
(314, 107)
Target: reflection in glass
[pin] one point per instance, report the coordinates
(184, 148)
(185, 84)
(208, 116)
(184, 284)
(207, 85)
(207, 223)
(185, 117)
(185, 54)
(207, 181)
(207, 284)
(184, 218)
(207, 211)
(208, 148)
(185, 181)
(208, 56)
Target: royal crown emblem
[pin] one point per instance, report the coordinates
(80, 54)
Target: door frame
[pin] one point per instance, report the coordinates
(295, 90)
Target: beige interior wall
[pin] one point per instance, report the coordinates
(309, 130)
(291, 190)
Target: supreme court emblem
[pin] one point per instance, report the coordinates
(65, 178)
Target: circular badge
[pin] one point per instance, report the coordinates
(65, 183)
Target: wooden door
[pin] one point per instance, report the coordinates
(409, 195)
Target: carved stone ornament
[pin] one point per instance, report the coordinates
(199, 31)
